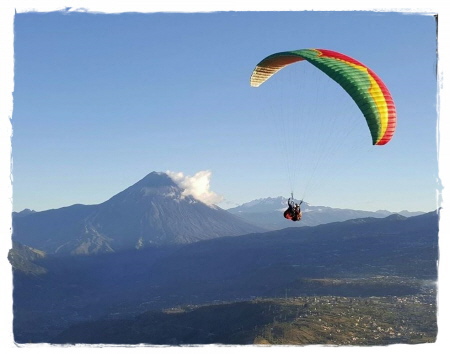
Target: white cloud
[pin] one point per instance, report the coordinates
(197, 186)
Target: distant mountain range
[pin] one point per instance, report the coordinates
(153, 211)
(267, 213)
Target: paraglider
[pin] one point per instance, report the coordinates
(293, 212)
(365, 88)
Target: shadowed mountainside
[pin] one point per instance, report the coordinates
(394, 256)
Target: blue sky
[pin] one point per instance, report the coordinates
(100, 100)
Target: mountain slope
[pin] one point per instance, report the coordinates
(153, 211)
(23, 259)
(394, 256)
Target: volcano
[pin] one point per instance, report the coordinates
(153, 211)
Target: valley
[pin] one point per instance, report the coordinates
(324, 284)
(308, 320)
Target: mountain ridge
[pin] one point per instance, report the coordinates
(156, 210)
(267, 211)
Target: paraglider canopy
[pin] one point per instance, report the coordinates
(360, 82)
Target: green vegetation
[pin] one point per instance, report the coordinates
(326, 320)
(355, 321)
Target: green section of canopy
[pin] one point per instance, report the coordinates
(354, 81)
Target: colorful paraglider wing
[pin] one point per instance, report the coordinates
(361, 83)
